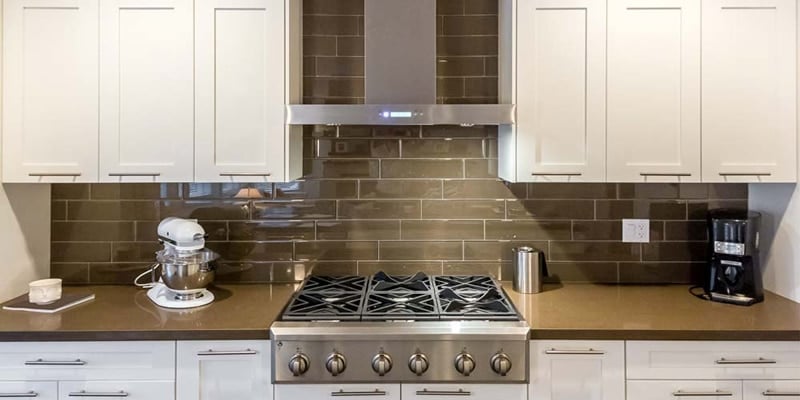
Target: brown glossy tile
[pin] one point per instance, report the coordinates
(450, 87)
(271, 230)
(400, 267)
(351, 131)
(113, 211)
(340, 66)
(226, 191)
(80, 252)
(309, 67)
(470, 25)
(395, 131)
(455, 131)
(70, 273)
(336, 250)
(400, 189)
(329, 100)
(134, 251)
(582, 272)
(491, 65)
(253, 272)
(322, 25)
(449, 7)
(460, 66)
(116, 273)
(58, 210)
(466, 46)
(422, 168)
(317, 189)
(347, 169)
(293, 209)
(146, 231)
(135, 191)
(358, 230)
(319, 45)
(350, 46)
(481, 168)
(466, 100)
(528, 230)
(338, 7)
(594, 251)
(441, 230)
(69, 191)
(252, 251)
(92, 231)
(597, 230)
(463, 209)
(699, 210)
(738, 191)
(691, 191)
(331, 268)
(662, 273)
(497, 250)
(686, 230)
(499, 270)
(550, 209)
(483, 189)
(675, 251)
(379, 209)
(649, 190)
(481, 7)
(443, 148)
(206, 210)
(485, 87)
(333, 87)
(572, 191)
(426, 250)
(357, 148)
(652, 209)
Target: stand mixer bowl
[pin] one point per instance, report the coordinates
(186, 273)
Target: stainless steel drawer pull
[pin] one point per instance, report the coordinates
(210, 352)
(663, 174)
(586, 352)
(681, 393)
(725, 361)
(68, 174)
(19, 395)
(84, 393)
(556, 174)
(774, 393)
(136, 174)
(745, 174)
(343, 393)
(57, 363)
(459, 392)
(245, 174)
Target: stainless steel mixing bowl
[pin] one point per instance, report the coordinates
(186, 272)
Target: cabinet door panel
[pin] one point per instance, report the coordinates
(129, 390)
(577, 370)
(765, 390)
(653, 90)
(146, 91)
(224, 370)
(671, 390)
(50, 90)
(470, 391)
(749, 91)
(240, 90)
(29, 390)
(333, 392)
(561, 90)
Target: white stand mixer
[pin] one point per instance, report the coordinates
(185, 265)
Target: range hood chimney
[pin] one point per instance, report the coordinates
(400, 81)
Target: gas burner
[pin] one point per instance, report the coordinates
(317, 283)
(400, 306)
(462, 284)
(325, 306)
(383, 282)
(472, 297)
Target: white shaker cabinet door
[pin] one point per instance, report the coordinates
(677, 390)
(577, 370)
(464, 391)
(653, 91)
(50, 90)
(127, 390)
(561, 90)
(749, 91)
(334, 392)
(146, 91)
(224, 370)
(766, 390)
(240, 90)
(38, 390)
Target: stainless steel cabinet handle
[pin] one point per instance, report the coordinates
(576, 352)
(725, 361)
(681, 393)
(343, 393)
(745, 174)
(136, 174)
(663, 174)
(69, 174)
(245, 174)
(84, 393)
(58, 363)
(19, 395)
(774, 393)
(556, 174)
(247, 352)
(459, 392)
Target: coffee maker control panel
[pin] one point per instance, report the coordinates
(734, 249)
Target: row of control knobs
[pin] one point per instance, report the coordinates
(418, 363)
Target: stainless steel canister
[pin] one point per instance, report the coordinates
(529, 269)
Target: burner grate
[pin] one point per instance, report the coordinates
(400, 306)
(383, 282)
(318, 283)
(473, 298)
(320, 306)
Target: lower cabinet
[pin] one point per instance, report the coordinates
(129, 390)
(577, 370)
(324, 392)
(663, 390)
(23, 390)
(471, 391)
(786, 390)
(223, 370)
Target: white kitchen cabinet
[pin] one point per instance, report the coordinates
(129, 390)
(241, 91)
(764, 390)
(671, 390)
(333, 392)
(223, 370)
(146, 91)
(749, 91)
(22, 390)
(471, 391)
(577, 370)
(653, 91)
(50, 101)
(560, 93)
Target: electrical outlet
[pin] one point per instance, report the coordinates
(636, 230)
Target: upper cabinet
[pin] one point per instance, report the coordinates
(146, 91)
(50, 102)
(653, 90)
(240, 91)
(749, 91)
(559, 90)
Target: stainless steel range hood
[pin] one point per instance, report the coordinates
(400, 76)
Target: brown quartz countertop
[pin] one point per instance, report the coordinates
(663, 312)
(125, 313)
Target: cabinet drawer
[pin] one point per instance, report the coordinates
(460, 392)
(128, 390)
(713, 360)
(87, 361)
(336, 392)
(782, 390)
(676, 390)
(29, 390)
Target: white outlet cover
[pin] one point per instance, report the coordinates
(636, 230)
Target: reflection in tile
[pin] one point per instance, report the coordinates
(497, 250)
(61, 252)
(316, 189)
(528, 230)
(441, 230)
(400, 189)
(318, 209)
(443, 148)
(399, 267)
(463, 209)
(594, 251)
(582, 272)
(422, 168)
(427, 250)
(499, 270)
(271, 230)
(336, 250)
(379, 209)
(550, 209)
(358, 230)
(70, 273)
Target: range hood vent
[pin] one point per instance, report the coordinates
(400, 76)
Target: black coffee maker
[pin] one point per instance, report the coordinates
(734, 273)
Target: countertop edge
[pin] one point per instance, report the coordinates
(113, 336)
(680, 335)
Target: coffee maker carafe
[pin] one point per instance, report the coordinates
(734, 270)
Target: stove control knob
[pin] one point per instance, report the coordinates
(501, 363)
(382, 363)
(298, 364)
(335, 364)
(465, 364)
(418, 363)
